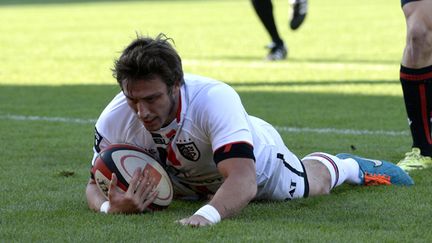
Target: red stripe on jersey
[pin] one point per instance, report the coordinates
(179, 108)
(234, 150)
(416, 77)
(171, 157)
(171, 134)
(425, 118)
(227, 148)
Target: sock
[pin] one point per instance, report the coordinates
(417, 91)
(264, 10)
(341, 170)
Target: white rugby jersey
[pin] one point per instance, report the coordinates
(210, 116)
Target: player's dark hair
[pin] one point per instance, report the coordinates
(145, 58)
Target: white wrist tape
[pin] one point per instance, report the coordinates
(105, 207)
(210, 213)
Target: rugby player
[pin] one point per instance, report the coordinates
(416, 81)
(264, 9)
(199, 130)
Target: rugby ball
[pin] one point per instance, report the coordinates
(123, 160)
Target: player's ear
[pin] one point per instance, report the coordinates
(176, 87)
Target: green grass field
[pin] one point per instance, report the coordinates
(339, 91)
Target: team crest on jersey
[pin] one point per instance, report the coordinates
(189, 151)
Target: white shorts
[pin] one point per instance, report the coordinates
(283, 176)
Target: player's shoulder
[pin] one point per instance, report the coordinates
(207, 88)
(210, 99)
(117, 114)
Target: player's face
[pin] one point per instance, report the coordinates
(155, 104)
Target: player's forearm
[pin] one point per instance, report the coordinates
(233, 196)
(94, 197)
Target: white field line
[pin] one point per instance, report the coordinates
(340, 131)
(283, 129)
(49, 119)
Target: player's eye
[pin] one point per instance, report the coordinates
(151, 99)
(134, 101)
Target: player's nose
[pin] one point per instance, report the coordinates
(142, 111)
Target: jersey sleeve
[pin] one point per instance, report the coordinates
(105, 128)
(118, 124)
(225, 119)
(234, 150)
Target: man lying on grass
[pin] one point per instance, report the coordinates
(210, 146)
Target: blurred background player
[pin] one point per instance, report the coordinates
(264, 10)
(416, 80)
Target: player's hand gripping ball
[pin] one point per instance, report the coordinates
(123, 159)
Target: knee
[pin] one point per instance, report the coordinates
(320, 189)
(319, 178)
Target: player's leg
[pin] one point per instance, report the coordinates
(319, 178)
(283, 176)
(376, 172)
(418, 49)
(264, 10)
(418, 104)
(416, 81)
(325, 172)
(331, 171)
(299, 11)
